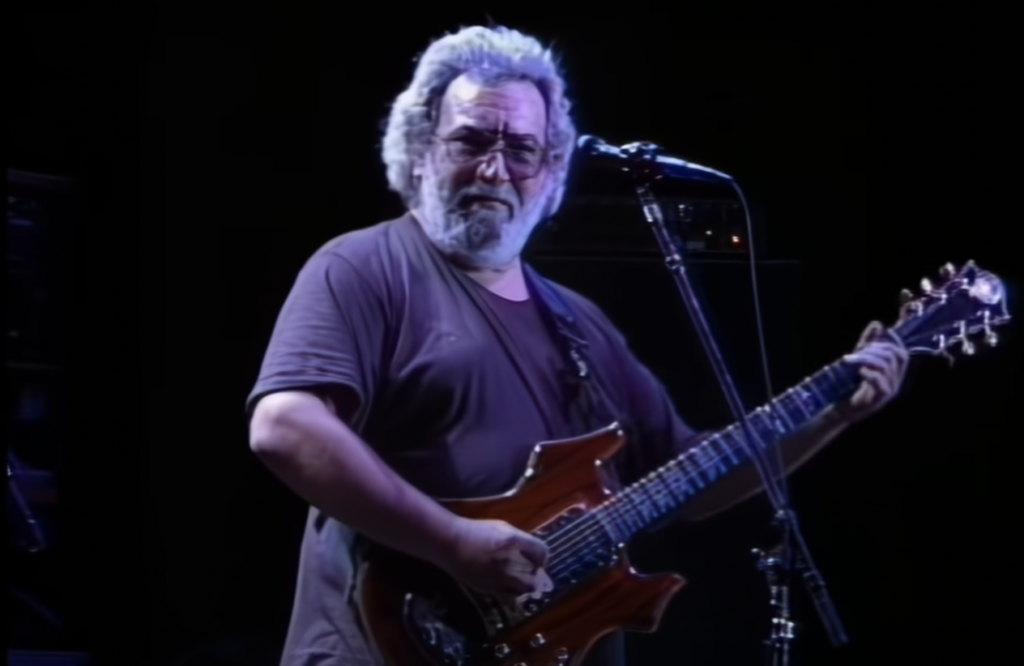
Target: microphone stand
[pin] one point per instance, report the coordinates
(37, 539)
(792, 552)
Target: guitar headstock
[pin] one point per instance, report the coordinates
(964, 307)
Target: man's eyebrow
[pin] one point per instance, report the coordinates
(471, 129)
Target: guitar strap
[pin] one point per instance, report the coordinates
(590, 407)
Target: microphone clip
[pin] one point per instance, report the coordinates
(642, 158)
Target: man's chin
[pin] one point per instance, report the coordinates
(482, 247)
(492, 206)
(485, 217)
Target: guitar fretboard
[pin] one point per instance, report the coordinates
(662, 492)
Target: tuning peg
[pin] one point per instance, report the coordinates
(926, 285)
(906, 296)
(947, 271)
(991, 339)
(970, 272)
(967, 347)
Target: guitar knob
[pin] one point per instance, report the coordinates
(537, 641)
(562, 655)
(501, 650)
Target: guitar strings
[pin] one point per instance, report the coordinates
(586, 530)
(565, 543)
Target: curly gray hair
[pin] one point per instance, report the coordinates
(494, 55)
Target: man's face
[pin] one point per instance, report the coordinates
(483, 182)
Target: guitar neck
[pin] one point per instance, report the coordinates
(650, 500)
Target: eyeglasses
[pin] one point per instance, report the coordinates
(523, 159)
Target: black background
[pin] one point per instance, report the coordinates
(217, 152)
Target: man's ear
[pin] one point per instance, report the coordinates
(419, 163)
(417, 171)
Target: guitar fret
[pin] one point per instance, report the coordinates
(621, 516)
(631, 511)
(618, 525)
(764, 427)
(846, 378)
(692, 472)
(667, 488)
(673, 479)
(787, 421)
(608, 525)
(725, 451)
(820, 396)
(792, 405)
(730, 437)
(652, 506)
(676, 478)
(808, 397)
(828, 383)
(825, 384)
(705, 463)
(661, 502)
(723, 454)
(784, 420)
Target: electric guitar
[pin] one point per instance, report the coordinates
(416, 615)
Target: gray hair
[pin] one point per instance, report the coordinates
(494, 55)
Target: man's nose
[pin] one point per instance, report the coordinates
(493, 169)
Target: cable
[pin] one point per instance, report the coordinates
(780, 470)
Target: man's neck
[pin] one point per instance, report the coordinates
(509, 283)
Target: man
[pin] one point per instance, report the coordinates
(412, 360)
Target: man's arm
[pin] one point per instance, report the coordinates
(745, 481)
(300, 438)
(883, 363)
(328, 335)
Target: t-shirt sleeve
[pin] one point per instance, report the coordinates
(327, 336)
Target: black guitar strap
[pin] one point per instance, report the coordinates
(591, 407)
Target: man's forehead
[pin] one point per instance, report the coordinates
(516, 104)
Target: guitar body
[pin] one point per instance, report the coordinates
(416, 615)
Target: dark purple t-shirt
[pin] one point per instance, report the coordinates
(456, 385)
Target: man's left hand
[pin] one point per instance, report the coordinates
(883, 364)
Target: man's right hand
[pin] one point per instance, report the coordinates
(492, 557)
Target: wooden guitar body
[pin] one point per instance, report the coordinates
(417, 616)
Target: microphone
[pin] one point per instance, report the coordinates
(670, 167)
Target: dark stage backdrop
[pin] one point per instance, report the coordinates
(261, 144)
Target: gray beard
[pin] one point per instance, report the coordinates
(480, 239)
